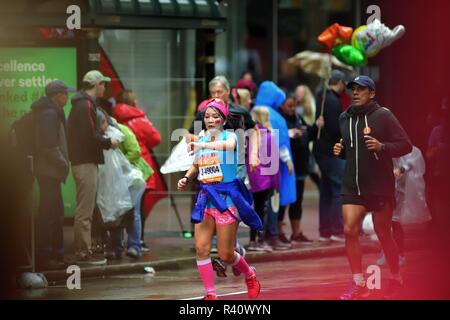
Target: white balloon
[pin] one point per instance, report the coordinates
(377, 36)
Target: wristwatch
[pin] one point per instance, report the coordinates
(187, 179)
(383, 147)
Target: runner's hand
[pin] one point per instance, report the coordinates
(372, 143)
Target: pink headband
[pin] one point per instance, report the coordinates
(219, 105)
(203, 105)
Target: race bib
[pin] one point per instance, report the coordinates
(209, 169)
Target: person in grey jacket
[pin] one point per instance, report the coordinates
(51, 167)
(371, 137)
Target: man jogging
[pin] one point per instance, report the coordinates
(371, 137)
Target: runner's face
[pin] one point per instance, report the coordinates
(213, 120)
(361, 96)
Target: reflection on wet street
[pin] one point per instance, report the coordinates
(317, 278)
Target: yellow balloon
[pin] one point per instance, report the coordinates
(356, 42)
(365, 39)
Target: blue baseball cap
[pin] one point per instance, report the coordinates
(363, 81)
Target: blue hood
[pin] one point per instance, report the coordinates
(269, 94)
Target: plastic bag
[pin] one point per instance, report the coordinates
(134, 176)
(179, 159)
(113, 197)
(116, 178)
(410, 190)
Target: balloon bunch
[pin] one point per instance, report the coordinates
(354, 47)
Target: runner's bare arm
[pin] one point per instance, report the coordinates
(229, 145)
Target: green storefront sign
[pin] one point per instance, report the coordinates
(24, 72)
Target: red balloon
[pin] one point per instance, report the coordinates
(335, 35)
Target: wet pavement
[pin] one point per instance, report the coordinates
(303, 279)
(317, 271)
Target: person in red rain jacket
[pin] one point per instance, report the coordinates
(148, 137)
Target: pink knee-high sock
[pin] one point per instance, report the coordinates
(205, 269)
(242, 265)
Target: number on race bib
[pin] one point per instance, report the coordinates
(209, 168)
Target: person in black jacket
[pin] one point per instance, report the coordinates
(371, 137)
(86, 145)
(331, 168)
(300, 135)
(51, 167)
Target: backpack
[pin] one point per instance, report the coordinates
(22, 138)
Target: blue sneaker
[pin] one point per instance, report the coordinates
(355, 292)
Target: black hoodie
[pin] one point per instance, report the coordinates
(85, 141)
(330, 132)
(300, 145)
(367, 173)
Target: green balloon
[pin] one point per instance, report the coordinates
(349, 55)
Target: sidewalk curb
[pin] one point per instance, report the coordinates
(189, 262)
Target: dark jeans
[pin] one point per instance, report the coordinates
(260, 200)
(330, 209)
(271, 221)
(50, 221)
